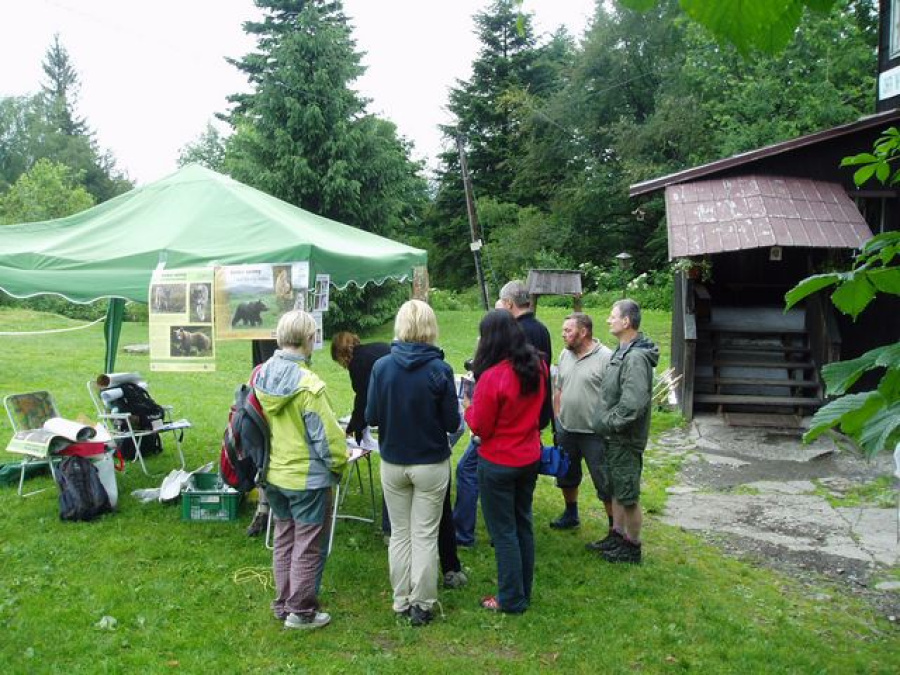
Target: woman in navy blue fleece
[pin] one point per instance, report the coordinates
(412, 401)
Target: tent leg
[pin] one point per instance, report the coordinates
(112, 328)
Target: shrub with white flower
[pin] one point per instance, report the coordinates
(638, 283)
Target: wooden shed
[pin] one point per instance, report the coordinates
(760, 222)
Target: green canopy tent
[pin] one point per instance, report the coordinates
(192, 218)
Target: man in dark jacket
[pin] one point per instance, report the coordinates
(624, 420)
(516, 300)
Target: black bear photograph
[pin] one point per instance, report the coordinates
(249, 313)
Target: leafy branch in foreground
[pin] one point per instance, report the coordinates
(870, 418)
(764, 25)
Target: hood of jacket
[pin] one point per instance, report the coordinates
(647, 348)
(282, 378)
(413, 355)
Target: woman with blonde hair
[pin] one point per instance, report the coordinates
(412, 400)
(307, 457)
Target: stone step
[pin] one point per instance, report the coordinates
(747, 399)
(756, 381)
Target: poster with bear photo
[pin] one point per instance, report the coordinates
(250, 299)
(181, 319)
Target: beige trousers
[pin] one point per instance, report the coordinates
(414, 495)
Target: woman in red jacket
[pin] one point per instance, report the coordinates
(505, 414)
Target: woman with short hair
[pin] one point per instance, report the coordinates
(505, 415)
(307, 457)
(412, 400)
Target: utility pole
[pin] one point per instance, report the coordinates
(473, 220)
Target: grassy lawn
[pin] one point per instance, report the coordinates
(191, 597)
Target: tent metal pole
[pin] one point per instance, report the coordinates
(112, 328)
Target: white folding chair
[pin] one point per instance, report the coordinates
(28, 412)
(104, 393)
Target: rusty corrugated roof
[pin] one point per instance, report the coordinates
(753, 211)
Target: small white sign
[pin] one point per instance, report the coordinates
(889, 84)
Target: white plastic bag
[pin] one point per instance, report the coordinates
(107, 470)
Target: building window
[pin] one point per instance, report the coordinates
(894, 37)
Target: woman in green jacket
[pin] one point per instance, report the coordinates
(308, 455)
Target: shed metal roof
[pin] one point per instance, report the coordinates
(745, 212)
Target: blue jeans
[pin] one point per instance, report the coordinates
(507, 493)
(465, 512)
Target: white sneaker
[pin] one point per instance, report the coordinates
(306, 622)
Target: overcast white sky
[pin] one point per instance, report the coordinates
(153, 73)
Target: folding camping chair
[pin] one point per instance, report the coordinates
(28, 412)
(105, 392)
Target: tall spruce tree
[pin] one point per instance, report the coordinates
(485, 105)
(302, 134)
(511, 76)
(65, 137)
(61, 90)
(296, 133)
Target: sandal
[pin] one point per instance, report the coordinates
(490, 603)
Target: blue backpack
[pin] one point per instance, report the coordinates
(81, 494)
(244, 458)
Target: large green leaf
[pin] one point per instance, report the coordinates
(889, 386)
(809, 286)
(890, 356)
(853, 421)
(882, 430)
(864, 173)
(767, 25)
(841, 375)
(861, 158)
(880, 241)
(833, 413)
(854, 295)
(886, 280)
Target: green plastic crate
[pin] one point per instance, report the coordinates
(205, 481)
(205, 500)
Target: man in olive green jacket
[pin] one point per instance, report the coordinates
(624, 420)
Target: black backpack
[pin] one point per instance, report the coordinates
(81, 494)
(244, 458)
(144, 412)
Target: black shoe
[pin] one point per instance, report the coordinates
(402, 616)
(565, 522)
(419, 617)
(626, 552)
(608, 543)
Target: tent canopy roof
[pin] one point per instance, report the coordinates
(192, 218)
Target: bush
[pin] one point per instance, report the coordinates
(651, 290)
(445, 300)
(53, 304)
(364, 309)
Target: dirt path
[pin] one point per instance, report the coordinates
(761, 494)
